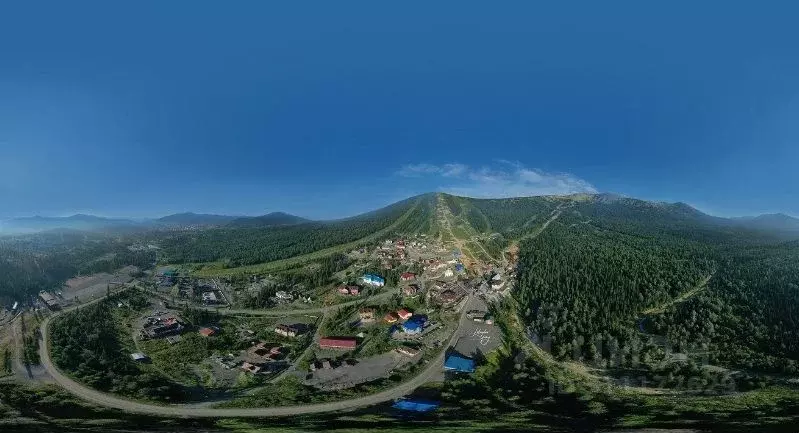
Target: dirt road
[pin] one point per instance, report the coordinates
(432, 370)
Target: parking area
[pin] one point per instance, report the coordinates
(346, 375)
(478, 338)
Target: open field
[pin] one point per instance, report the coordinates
(95, 286)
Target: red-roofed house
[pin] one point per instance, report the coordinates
(404, 314)
(207, 332)
(408, 276)
(338, 343)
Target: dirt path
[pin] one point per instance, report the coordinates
(445, 220)
(432, 370)
(660, 309)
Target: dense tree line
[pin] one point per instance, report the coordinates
(580, 285)
(749, 316)
(85, 343)
(584, 289)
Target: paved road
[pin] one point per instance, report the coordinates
(433, 369)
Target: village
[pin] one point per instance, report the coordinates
(395, 308)
(397, 305)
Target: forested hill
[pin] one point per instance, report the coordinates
(277, 236)
(251, 243)
(613, 281)
(515, 217)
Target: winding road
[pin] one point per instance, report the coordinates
(432, 370)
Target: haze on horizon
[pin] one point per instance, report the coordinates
(161, 108)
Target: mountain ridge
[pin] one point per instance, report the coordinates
(778, 222)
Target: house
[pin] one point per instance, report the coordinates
(349, 290)
(448, 273)
(49, 300)
(263, 352)
(407, 351)
(404, 314)
(252, 368)
(459, 364)
(391, 317)
(408, 276)
(472, 314)
(170, 326)
(496, 285)
(207, 332)
(367, 314)
(210, 297)
(374, 280)
(290, 331)
(139, 357)
(338, 343)
(448, 296)
(411, 290)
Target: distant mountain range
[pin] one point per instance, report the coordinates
(270, 219)
(783, 225)
(199, 219)
(74, 222)
(779, 222)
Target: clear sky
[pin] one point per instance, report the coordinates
(326, 109)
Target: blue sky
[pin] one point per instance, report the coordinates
(332, 108)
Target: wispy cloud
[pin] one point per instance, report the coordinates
(419, 170)
(503, 179)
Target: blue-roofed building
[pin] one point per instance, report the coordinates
(374, 280)
(459, 267)
(416, 405)
(412, 327)
(459, 363)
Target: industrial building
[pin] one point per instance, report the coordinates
(459, 364)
